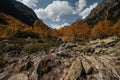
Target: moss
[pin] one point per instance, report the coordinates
(34, 48)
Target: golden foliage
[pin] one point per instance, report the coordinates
(55, 32)
(10, 27)
(102, 29)
(41, 28)
(76, 30)
(116, 28)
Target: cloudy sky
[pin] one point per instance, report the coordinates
(59, 13)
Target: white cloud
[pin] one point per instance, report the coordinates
(81, 10)
(29, 3)
(87, 11)
(56, 26)
(58, 8)
(54, 10)
(80, 5)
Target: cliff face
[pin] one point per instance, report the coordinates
(18, 10)
(106, 10)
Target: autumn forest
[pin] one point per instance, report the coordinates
(11, 27)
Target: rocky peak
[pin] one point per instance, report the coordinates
(106, 10)
(18, 10)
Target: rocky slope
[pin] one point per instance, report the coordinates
(95, 60)
(18, 10)
(106, 10)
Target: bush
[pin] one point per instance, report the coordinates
(102, 29)
(116, 29)
(26, 34)
(12, 49)
(34, 48)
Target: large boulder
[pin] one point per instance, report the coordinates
(19, 77)
(104, 43)
(75, 71)
(62, 54)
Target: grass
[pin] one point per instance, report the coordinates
(27, 45)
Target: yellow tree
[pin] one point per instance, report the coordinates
(102, 29)
(55, 32)
(116, 28)
(41, 28)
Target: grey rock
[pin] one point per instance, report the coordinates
(62, 54)
(19, 77)
(70, 45)
(97, 50)
(3, 75)
(75, 70)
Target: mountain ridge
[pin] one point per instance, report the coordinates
(18, 10)
(106, 10)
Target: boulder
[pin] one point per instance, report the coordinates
(3, 75)
(67, 64)
(70, 45)
(75, 70)
(62, 54)
(34, 75)
(27, 66)
(104, 43)
(97, 50)
(110, 42)
(19, 77)
(87, 50)
(87, 67)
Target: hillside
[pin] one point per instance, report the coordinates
(106, 10)
(18, 20)
(102, 22)
(18, 10)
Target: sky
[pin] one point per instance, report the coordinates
(60, 13)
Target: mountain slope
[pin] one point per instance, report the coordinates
(18, 10)
(106, 10)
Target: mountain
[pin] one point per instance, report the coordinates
(17, 20)
(18, 10)
(106, 10)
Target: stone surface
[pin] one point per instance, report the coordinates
(66, 63)
(106, 7)
(19, 77)
(62, 54)
(75, 70)
(3, 75)
(18, 10)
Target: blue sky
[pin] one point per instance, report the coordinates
(59, 13)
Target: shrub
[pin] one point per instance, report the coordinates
(116, 28)
(34, 48)
(26, 34)
(76, 30)
(5, 48)
(101, 30)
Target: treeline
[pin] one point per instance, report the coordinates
(11, 27)
(81, 30)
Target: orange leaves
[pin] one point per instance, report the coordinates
(41, 29)
(55, 32)
(116, 28)
(76, 30)
(10, 27)
(82, 30)
(102, 29)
